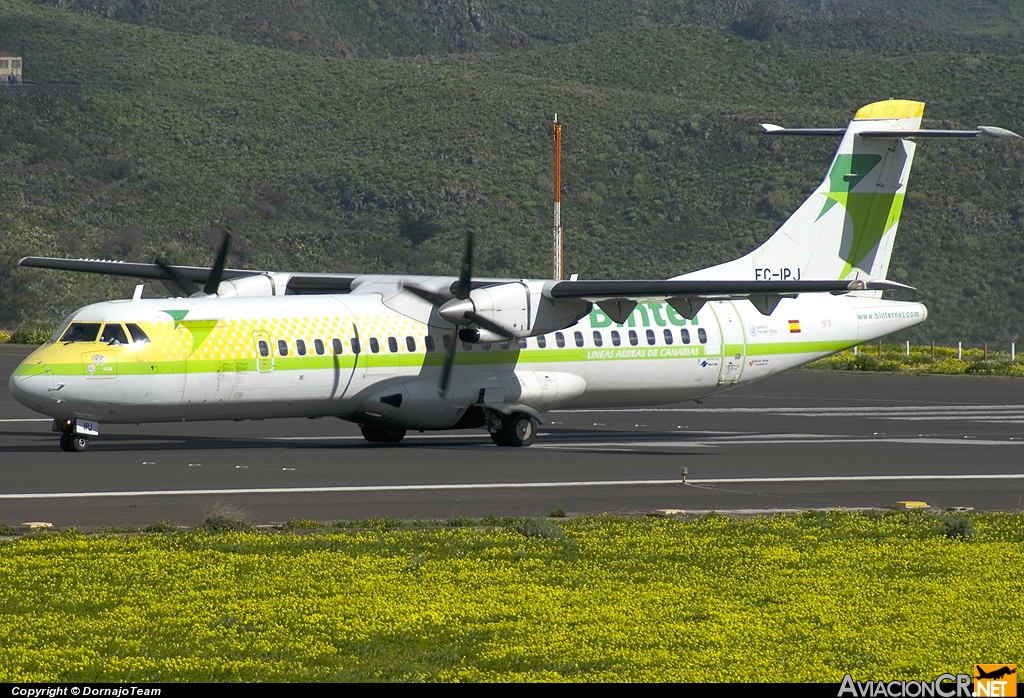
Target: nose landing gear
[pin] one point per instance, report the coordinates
(74, 434)
(73, 442)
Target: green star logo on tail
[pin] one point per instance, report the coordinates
(871, 213)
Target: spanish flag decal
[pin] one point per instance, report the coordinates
(794, 326)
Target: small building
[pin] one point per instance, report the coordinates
(10, 69)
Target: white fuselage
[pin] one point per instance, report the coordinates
(205, 361)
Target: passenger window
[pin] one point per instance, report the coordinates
(559, 339)
(318, 345)
(521, 342)
(616, 339)
(598, 339)
(336, 345)
(392, 344)
(542, 341)
(264, 348)
(113, 334)
(685, 334)
(138, 336)
(428, 341)
(503, 345)
(447, 341)
(668, 336)
(650, 336)
(702, 335)
(467, 346)
(578, 336)
(355, 345)
(410, 344)
(374, 345)
(300, 347)
(282, 347)
(486, 346)
(633, 338)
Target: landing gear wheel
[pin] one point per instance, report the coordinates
(516, 430)
(73, 442)
(382, 435)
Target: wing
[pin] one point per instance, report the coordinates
(618, 298)
(272, 283)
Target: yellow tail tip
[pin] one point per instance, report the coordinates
(891, 109)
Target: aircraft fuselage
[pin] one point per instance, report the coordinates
(351, 356)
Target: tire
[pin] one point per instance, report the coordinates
(517, 430)
(382, 435)
(74, 443)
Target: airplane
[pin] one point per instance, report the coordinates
(393, 353)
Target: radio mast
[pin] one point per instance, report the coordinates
(556, 133)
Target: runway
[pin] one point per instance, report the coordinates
(803, 440)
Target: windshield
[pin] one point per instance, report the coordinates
(81, 332)
(113, 333)
(60, 330)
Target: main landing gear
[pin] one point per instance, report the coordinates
(382, 435)
(512, 430)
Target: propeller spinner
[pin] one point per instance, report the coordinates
(460, 312)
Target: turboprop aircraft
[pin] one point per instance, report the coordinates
(393, 353)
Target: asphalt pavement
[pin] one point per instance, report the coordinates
(802, 440)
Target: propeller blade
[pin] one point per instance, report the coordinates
(466, 273)
(437, 299)
(184, 284)
(449, 361)
(484, 323)
(213, 281)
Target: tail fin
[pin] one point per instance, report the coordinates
(846, 228)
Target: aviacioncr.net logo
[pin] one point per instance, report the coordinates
(945, 686)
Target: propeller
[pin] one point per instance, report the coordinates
(213, 281)
(189, 287)
(460, 311)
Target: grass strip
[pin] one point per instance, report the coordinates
(805, 597)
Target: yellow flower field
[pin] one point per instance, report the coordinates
(804, 597)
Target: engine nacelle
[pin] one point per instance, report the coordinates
(272, 284)
(522, 308)
(508, 305)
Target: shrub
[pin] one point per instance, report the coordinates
(538, 527)
(226, 517)
(957, 526)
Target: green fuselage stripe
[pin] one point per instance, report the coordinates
(475, 357)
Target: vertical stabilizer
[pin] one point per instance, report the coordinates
(846, 228)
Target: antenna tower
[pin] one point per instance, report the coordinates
(556, 133)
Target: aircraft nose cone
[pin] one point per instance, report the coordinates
(31, 384)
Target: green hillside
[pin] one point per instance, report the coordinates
(331, 162)
(351, 28)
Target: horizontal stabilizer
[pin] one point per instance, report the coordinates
(986, 131)
(774, 130)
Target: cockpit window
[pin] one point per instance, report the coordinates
(113, 334)
(138, 336)
(81, 332)
(56, 335)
